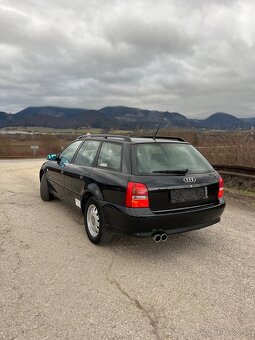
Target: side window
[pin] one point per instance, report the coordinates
(87, 153)
(67, 154)
(110, 156)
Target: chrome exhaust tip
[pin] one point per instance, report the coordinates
(157, 238)
(164, 237)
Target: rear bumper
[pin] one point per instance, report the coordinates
(143, 222)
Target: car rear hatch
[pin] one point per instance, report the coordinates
(176, 174)
(173, 193)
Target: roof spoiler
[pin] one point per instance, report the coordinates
(171, 137)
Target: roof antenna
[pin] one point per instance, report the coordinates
(156, 134)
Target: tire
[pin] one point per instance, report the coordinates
(94, 223)
(44, 189)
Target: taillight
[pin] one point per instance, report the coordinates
(137, 195)
(221, 188)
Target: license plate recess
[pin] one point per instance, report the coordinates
(187, 194)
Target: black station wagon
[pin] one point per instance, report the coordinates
(140, 186)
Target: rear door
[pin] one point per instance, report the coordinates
(77, 174)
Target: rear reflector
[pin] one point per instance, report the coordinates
(137, 195)
(221, 188)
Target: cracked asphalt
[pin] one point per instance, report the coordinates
(55, 284)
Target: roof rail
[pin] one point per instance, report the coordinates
(158, 137)
(125, 138)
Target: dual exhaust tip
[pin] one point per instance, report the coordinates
(159, 237)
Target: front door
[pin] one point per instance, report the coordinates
(56, 170)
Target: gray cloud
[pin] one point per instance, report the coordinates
(194, 57)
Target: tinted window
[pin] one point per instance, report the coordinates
(153, 157)
(68, 153)
(87, 153)
(110, 156)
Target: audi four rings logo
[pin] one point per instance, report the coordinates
(189, 179)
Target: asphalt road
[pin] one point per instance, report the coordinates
(55, 284)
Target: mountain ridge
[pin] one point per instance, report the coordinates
(118, 117)
(224, 121)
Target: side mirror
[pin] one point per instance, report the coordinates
(52, 157)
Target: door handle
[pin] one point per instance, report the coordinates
(82, 177)
(62, 171)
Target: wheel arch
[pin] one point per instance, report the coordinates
(41, 174)
(92, 190)
(84, 199)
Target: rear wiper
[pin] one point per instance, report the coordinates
(177, 172)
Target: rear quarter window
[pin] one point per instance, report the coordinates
(110, 156)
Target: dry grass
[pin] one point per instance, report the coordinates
(219, 147)
(20, 145)
(234, 148)
(239, 183)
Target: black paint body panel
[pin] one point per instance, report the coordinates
(71, 181)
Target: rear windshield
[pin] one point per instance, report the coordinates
(169, 158)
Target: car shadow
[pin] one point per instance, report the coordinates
(176, 244)
(141, 246)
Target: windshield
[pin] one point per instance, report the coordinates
(169, 158)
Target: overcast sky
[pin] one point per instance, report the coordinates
(195, 57)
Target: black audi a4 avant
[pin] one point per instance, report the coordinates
(136, 186)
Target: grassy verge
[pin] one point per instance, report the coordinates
(219, 147)
(237, 191)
